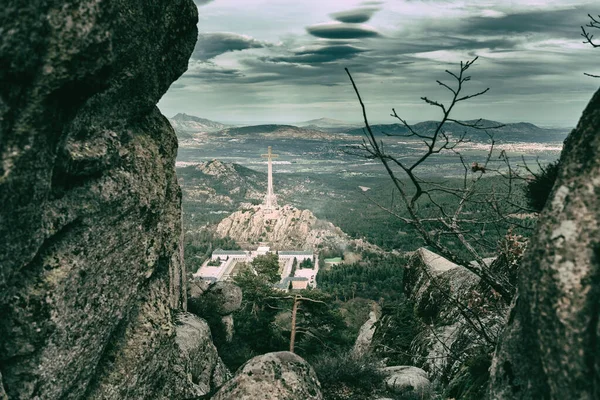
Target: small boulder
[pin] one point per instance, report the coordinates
(408, 382)
(200, 360)
(196, 288)
(273, 376)
(226, 297)
(222, 298)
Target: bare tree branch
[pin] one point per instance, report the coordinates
(448, 222)
(589, 37)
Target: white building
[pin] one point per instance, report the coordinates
(222, 264)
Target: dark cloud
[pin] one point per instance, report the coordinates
(210, 45)
(336, 30)
(356, 16)
(322, 54)
(527, 59)
(564, 23)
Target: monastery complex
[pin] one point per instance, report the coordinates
(223, 264)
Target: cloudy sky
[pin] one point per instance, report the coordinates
(282, 61)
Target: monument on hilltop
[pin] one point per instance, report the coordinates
(270, 198)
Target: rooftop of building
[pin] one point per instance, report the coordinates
(296, 253)
(229, 252)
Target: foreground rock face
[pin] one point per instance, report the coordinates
(90, 216)
(550, 348)
(273, 376)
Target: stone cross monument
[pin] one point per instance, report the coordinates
(270, 199)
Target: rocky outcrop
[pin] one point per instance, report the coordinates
(463, 317)
(292, 229)
(217, 183)
(550, 348)
(223, 298)
(200, 361)
(273, 376)
(408, 383)
(364, 340)
(90, 258)
(216, 303)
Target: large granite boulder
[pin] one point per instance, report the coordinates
(273, 376)
(90, 222)
(203, 367)
(216, 303)
(222, 298)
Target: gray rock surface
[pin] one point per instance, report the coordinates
(196, 288)
(225, 297)
(550, 348)
(216, 303)
(90, 256)
(203, 367)
(430, 283)
(221, 298)
(363, 342)
(408, 382)
(293, 229)
(273, 376)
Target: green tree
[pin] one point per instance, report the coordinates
(267, 266)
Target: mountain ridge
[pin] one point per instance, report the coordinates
(517, 132)
(190, 127)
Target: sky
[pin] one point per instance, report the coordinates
(282, 61)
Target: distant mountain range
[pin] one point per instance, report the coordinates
(511, 132)
(191, 127)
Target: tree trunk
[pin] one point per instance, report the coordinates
(550, 348)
